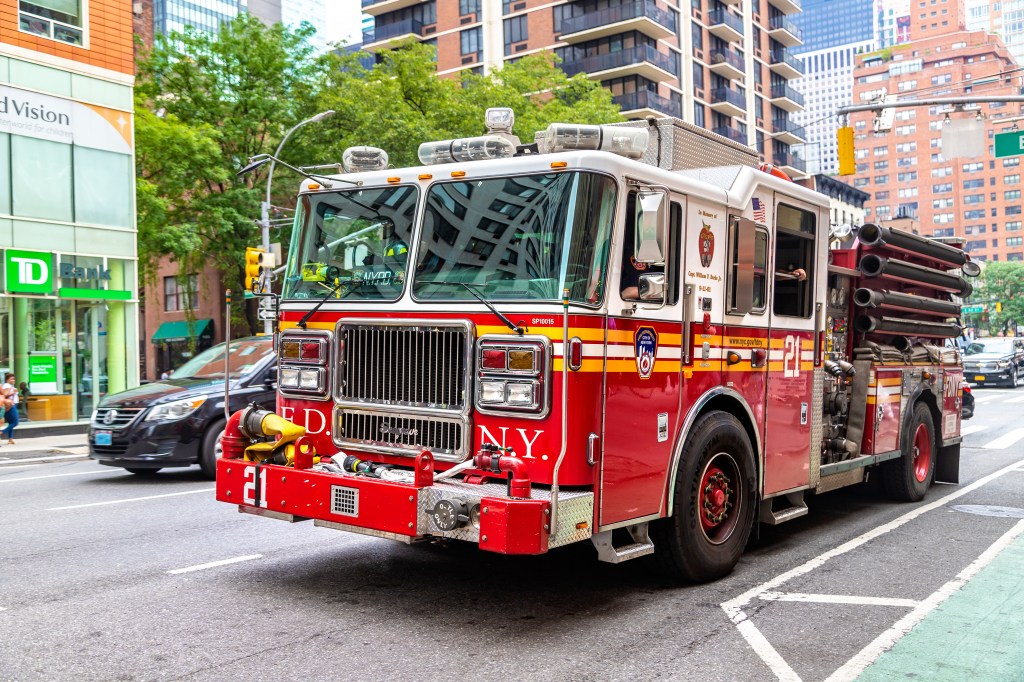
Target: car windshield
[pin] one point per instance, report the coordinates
(519, 238)
(245, 354)
(355, 241)
(1000, 346)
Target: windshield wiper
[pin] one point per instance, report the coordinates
(340, 283)
(476, 294)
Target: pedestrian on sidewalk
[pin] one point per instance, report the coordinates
(9, 391)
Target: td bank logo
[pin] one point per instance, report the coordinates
(28, 272)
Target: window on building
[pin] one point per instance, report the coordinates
(1012, 210)
(974, 199)
(1011, 194)
(469, 7)
(973, 167)
(904, 147)
(906, 177)
(1015, 241)
(1016, 255)
(103, 183)
(943, 203)
(178, 296)
(975, 214)
(942, 172)
(943, 187)
(471, 41)
(1013, 226)
(973, 184)
(60, 20)
(881, 165)
(878, 151)
(1011, 161)
(515, 32)
(1011, 179)
(906, 192)
(882, 196)
(943, 218)
(35, 159)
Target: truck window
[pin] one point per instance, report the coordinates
(794, 261)
(631, 270)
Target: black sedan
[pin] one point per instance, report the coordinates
(995, 360)
(178, 422)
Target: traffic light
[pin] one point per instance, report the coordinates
(999, 306)
(252, 264)
(847, 163)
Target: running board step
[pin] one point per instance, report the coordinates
(641, 545)
(778, 510)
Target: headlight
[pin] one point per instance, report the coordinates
(179, 409)
(288, 377)
(1002, 364)
(520, 394)
(309, 379)
(492, 392)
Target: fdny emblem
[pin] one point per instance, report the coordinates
(645, 341)
(706, 245)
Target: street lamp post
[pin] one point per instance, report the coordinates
(268, 326)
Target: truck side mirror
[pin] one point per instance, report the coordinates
(651, 223)
(652, 287)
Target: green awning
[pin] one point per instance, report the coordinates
(179, 330)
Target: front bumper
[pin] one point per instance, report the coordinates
(402, 511)
(149, 445)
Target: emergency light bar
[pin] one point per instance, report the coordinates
(466, 149)
(359, 159)
(628, 142)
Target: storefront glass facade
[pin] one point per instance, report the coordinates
(69, 307)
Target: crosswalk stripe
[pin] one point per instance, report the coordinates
(973, 428)
(1005, 440)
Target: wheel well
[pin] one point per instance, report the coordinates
(928, 398)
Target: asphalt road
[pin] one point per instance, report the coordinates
(108, 576)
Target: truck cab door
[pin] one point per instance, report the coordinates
(797, 261)
(642, 373)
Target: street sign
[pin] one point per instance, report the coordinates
(971, 309)
(1009, 144)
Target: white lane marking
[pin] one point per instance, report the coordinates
(51, 458)
(1016, 400)
(973, 428)
(214, 564)
(986, 398)
(839, 599)
(132, 499)
(77, 473)
(761, 646)
(1005, 440)
(856, 665)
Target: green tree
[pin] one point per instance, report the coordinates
(401, 102)
(1003, 282)
(205, 103)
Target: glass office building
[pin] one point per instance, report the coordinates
(204, 15)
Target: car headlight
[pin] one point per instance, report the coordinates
(179, 409)
(1002, 364)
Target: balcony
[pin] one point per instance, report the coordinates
(784, 6)
(367, 61)
(792, 165)
(642, 60)
(644, 103)
(728, 63)
(786, 131)
(378, 7)
(785, 64)
(387, 36)
(728, 102)
(787, 98)
(734, 134)
(785, 31)
(726, 26)
(643, 16)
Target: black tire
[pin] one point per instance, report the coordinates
(907, 478)
(210, 450)
(704, 549)
(1013, 379)
(142, 472)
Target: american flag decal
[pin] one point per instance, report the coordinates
(759, 213)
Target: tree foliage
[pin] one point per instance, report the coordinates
(1003, 282)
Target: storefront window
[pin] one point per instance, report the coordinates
(103, 185)
(42, 185)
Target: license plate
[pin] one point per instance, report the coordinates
(979, 377)
(103, 438)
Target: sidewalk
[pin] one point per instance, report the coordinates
(27, 446)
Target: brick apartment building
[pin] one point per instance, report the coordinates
(905, 171)
(724, 65)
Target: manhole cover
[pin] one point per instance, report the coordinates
(990, 510)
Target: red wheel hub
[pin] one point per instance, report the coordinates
(715, 498)
(922, 453)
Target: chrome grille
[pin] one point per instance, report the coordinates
(115, 417)
(403, 434)
(407, 365)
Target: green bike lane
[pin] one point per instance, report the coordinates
(974, 633)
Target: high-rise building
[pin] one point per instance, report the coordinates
(905, 170)
(69, 309)
(204, 15)
(722, 65)
(1003, 17)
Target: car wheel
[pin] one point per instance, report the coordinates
(1013, 380)
(211, 449)
(141, 472)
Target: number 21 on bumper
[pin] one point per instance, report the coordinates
(249, 489)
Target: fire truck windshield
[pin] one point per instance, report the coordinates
(355, 241)
(517, 238)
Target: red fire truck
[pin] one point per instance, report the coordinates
(629, 334)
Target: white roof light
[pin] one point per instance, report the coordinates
(466, 149)
(358, 159)
(499, 119)
(628, 142)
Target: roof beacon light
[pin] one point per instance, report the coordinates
(466, 149)
(499, 119)
(628, 142)
(359, 159)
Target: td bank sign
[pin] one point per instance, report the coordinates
(33, 272)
